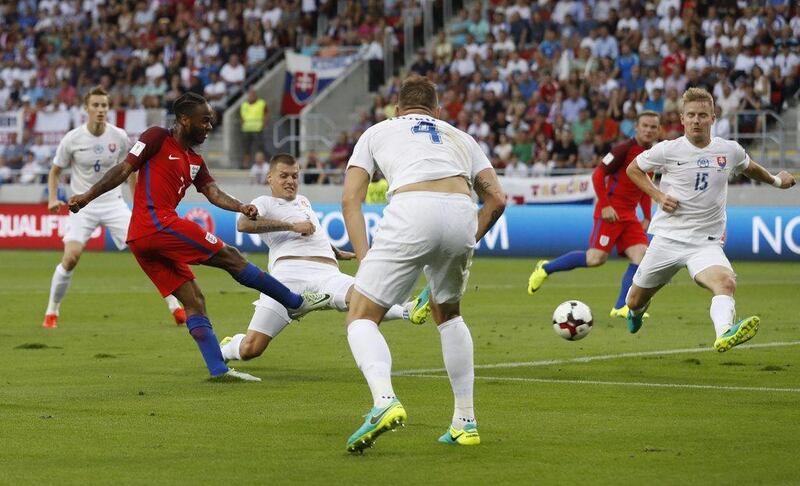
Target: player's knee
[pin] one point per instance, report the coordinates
(70, 261)
(727, 285)
(234, 261)
(596, 259)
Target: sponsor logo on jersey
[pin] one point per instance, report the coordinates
(193, 170)
(98, 149)
(202, 218)
(722, 161)
(703, 162)
(112, 147)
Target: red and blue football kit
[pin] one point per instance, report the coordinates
(614, 188)
(163, 243)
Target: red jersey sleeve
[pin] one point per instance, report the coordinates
(146, 147)
(615, 159)
(203, 177)
(599, 183)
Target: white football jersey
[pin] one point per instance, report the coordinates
(698, 179)
(90, 157)
(289, 243)
(418, 148)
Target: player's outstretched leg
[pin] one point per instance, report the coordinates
(564, 263)
(58, 289)
(457, 350)
(178, 313)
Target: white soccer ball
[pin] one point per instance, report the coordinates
(572, 320)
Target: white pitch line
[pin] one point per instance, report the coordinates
(625, 383)
(587, 359)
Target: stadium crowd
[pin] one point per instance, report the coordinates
(548, 87)
(544, 86)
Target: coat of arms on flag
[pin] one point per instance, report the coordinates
(307, 77)
(303, 87)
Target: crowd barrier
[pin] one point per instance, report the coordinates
(753, 233)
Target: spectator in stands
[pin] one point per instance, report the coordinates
(516, 167)
(606, 127)
(313, 169)
(260, 168)
(722, 126)
(253, 114)
(340, 154)
(671, 125)
(655, 102)
(581, 127)
(6, 175)
(565, 152)
(502, 151)
(233, 73)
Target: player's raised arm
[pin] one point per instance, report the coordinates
(113, 178)
(488, 189)
(783, 180)
(356, 181)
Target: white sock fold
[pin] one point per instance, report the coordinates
(172, 303)
(373, 358)
(58, 288)
(395, 312)
(723, 311)
(457, 353)
(231, 349)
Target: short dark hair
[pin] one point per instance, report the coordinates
(186, 103)
(95, 91)
(281, 158)
(417, 92)
(645, 113)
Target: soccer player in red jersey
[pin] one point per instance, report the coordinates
(615, 219)
(165, 244)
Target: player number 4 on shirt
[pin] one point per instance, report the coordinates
(428, 128)
(701, 181)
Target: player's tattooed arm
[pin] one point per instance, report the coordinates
(489, 191)
(266, 225)
(111, 179)
(222, 199)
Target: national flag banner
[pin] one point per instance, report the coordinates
(10, 127)
(308, 76)
(52, 125)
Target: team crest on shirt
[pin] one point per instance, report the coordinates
(201, 217)
(722, 161)
(703, 162)
(604, 240)
(112, 147)
(98, 149)
(193, 170)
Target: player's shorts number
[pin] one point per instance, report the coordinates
(428, 128)
(701, 181)
(97, 165)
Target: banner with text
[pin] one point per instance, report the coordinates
(754, 233)
(10, 127)
(549, 190)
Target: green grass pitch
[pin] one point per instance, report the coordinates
(118, 394)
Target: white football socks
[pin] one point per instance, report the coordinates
(373, 358)
(231, 349)
(58, 288)
(172, 303)
(723, 310)
(457, 353)
(395, 312)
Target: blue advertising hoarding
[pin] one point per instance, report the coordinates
(754, 233)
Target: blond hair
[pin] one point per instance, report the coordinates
(698, 94)
(95, 91)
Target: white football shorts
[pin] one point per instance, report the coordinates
(115, 216)
(270, 317)
(420, 231)
(665, 256)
